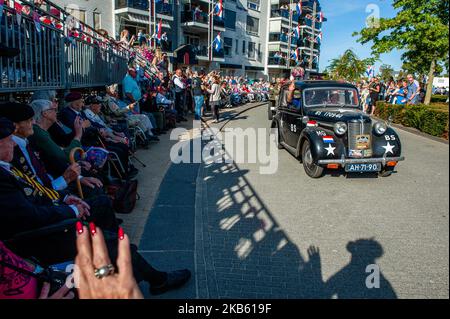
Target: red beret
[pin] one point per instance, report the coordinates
(73, 96)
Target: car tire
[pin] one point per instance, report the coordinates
(279, 145)
(311, 169)
(386, 172)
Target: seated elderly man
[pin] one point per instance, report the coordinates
(119, 108)
(24, 207)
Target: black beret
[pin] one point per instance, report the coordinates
(73, 96)
(6, 127)
(16, 112)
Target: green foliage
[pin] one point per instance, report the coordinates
(348, 67)
(439, 99)
(432, 120)
(386, 72)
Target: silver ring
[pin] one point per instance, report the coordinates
(104, 271)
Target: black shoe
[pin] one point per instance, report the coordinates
(184, 119)
(154, 138)
(175, 279)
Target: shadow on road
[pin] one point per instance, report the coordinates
(250, 256)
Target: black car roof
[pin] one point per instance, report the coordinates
(317, 84)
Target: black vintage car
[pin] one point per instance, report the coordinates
(322, 123)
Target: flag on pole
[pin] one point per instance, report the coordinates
(218, 9)
(159, 30)
(370, 71)
(295, 55)
(218, 43)
(299, 7)
(18, 8)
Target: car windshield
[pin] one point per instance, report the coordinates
(324, 97)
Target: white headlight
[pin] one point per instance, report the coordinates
(340, 128)
(380, 128)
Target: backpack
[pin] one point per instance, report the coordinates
(124, 196)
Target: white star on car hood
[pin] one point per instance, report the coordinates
(389, 148)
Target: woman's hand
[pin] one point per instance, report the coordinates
(91, 182)
(93, 254)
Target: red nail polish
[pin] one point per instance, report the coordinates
(79, 227)
(92, 228)
(121, 233)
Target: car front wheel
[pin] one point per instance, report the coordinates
(311, 169)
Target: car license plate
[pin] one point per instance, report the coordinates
(360, 168)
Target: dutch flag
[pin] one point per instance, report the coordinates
(158, 31)
(299, 8)
(218, 9)
(218, 43)
(321, 16)
(328, 139)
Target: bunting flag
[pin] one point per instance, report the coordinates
(2, 2)
(218, 9)
(319, 38)
(37, 21)
(295, 55)
(218, 43)
(321, 16)
(297, 32)
(370, 71)
(18, 9)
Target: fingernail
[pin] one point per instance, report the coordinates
(92, 228)
(79, 227)
(121, 233)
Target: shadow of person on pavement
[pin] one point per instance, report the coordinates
(362, 277)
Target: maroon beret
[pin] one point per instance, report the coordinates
(73, 96)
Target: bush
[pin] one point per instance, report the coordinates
(431, 119)
(439, 98)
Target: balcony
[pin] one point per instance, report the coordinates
(200, 21)
(202, 54)
(163, 9)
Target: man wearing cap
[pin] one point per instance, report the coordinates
(25, 159)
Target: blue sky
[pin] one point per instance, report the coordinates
(345, 17)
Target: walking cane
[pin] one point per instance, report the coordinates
(72, 160)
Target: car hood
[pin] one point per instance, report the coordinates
(337, 114)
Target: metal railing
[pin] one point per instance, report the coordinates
(56, 51)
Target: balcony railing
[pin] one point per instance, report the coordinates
(202, 17)
(161, 8)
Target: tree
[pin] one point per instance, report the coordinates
(421, 28)
(386, 72)
(348, 66)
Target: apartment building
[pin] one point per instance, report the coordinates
(286, 48)
(258, 35)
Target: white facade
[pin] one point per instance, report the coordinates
(88, 10)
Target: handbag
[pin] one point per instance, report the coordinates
(57, 279)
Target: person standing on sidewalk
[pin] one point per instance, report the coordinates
(197, 92)
(214, 100)
(180, 88)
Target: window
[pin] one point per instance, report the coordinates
(252, 25)
(97, 20)
(237, 47)
(78, 14)
(228, 46)
(251, 50)
(260, 57)
(243, 47)
(230, 19)
(254, 5)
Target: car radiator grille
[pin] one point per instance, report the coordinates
(359, 128)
